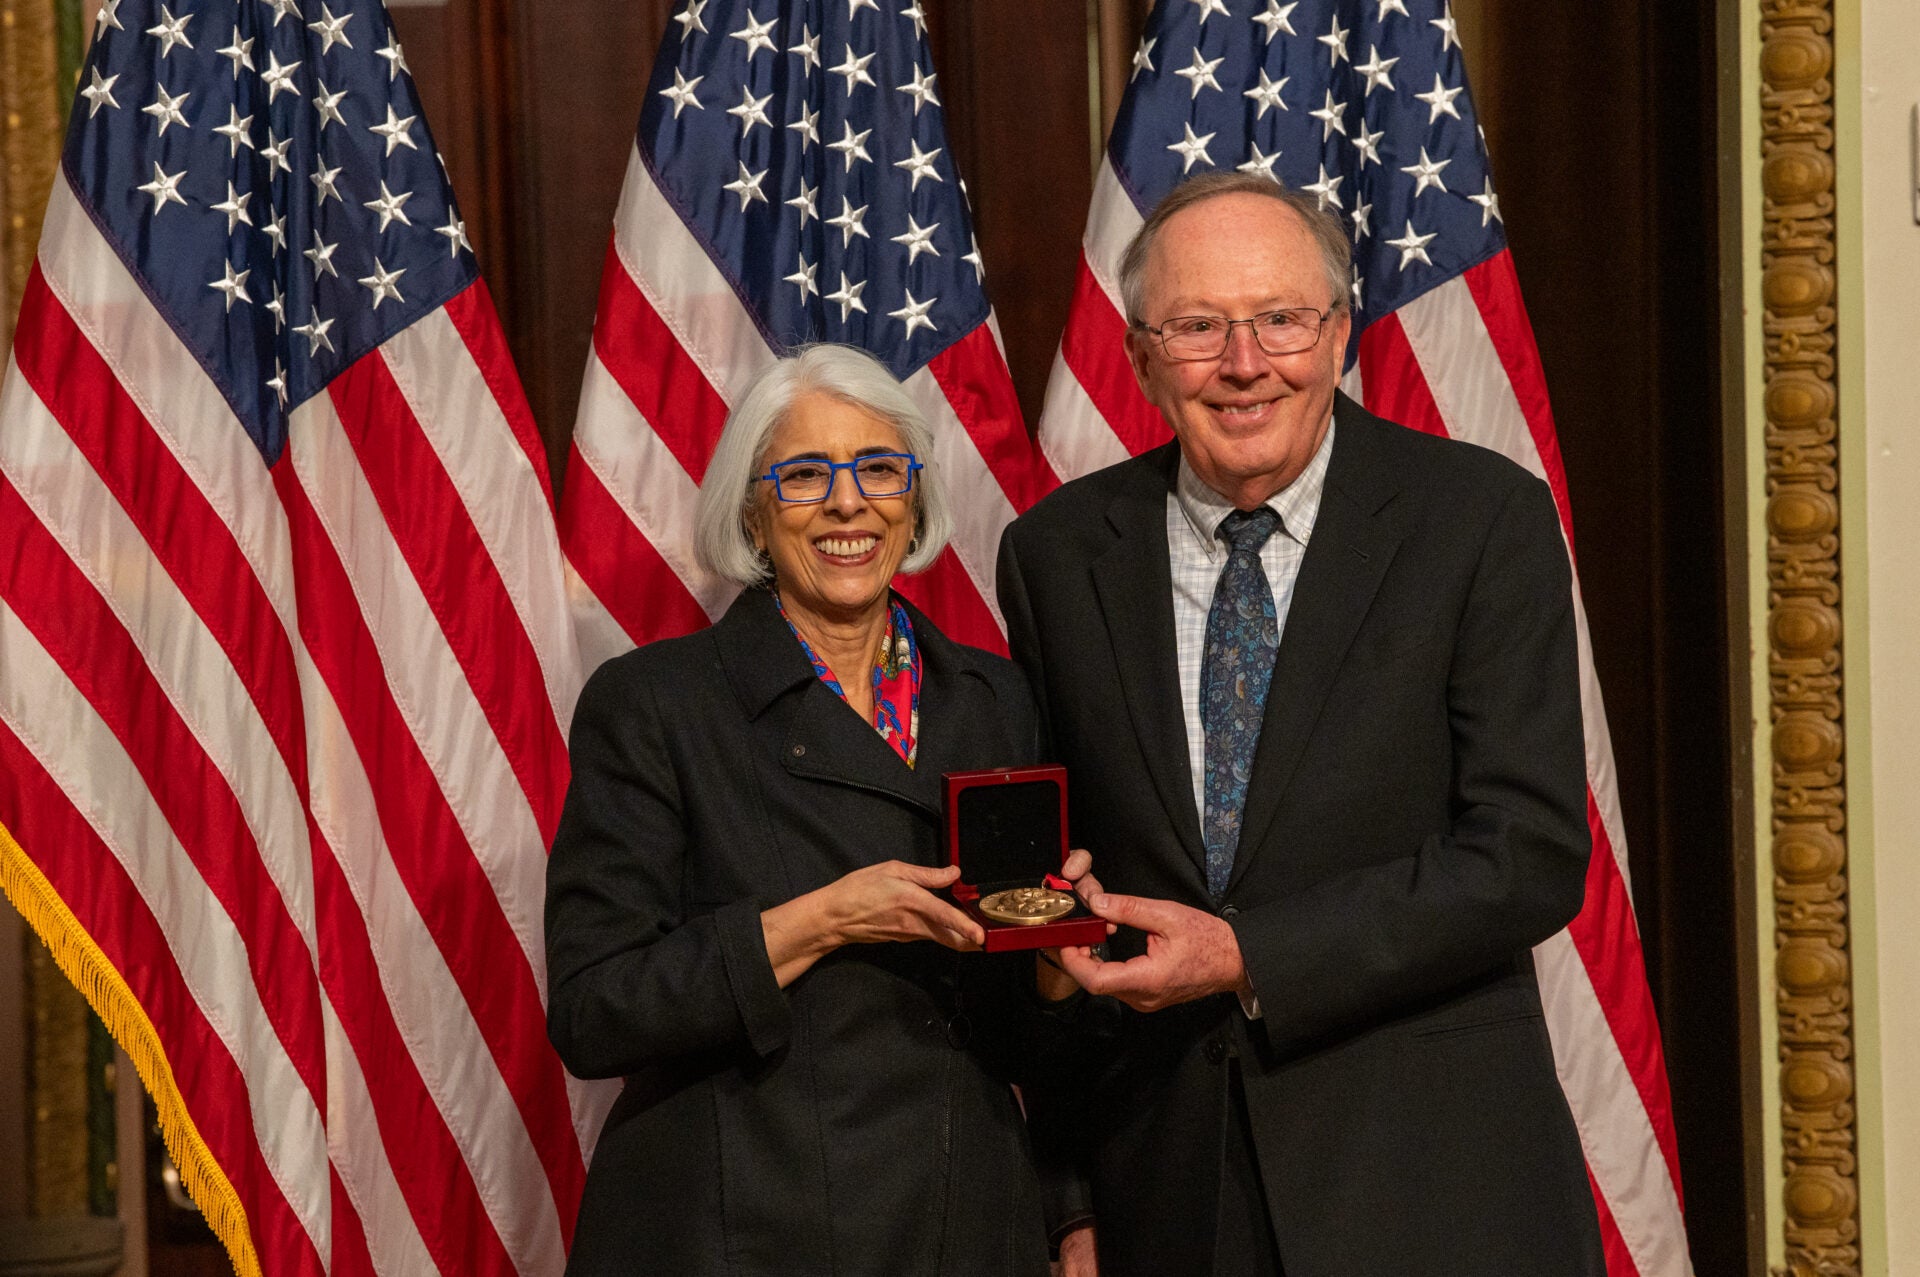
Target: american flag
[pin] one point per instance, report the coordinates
(790, 183)
(285, 660)
(1364, 103)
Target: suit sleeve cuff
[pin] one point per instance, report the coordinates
(763, 1007)
(1250, 996)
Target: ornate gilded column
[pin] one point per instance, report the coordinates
(1804, 641)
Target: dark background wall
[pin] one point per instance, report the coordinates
(1603, 123)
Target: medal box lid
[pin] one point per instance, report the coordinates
(1006, 827)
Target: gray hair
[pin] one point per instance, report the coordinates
(1336, 254)
(721, 542)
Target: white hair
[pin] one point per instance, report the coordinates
(722, 543)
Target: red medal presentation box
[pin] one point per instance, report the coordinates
(1007, 828)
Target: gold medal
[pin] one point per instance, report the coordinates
(1027, 906)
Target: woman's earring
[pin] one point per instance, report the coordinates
(913, 546)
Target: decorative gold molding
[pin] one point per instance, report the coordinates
(1804, 641)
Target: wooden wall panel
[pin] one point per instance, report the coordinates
(584, 66)
(1013, 78)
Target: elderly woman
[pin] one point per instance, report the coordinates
(744, 915)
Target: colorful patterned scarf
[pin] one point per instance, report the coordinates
(896, 680)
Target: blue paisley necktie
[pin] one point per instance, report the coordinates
(1243, 634)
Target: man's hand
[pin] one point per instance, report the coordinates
(1077, 1255)
(1190, 954)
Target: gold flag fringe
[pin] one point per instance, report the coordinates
(106, 991)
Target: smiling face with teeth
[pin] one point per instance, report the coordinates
(832, 559)
(1248, 422)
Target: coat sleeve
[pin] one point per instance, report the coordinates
(1065, 1042)
(1510, 869)
(631, 982)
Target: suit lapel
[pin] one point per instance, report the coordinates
(1354, 541)
(1135, 588)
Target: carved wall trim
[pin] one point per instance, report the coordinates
(1813, 976)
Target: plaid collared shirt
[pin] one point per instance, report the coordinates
(1196, 555)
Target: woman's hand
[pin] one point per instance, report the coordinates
(890, 901)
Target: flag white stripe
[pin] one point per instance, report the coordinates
(1112, 221)
(186, 660)
(1601, 781)
(353, 1137)
(179, 400)
(599, 635)
(425, 678)
(1615, 1133)
(428, 1005)
(684, 287)
(56, 724)
(1073, 435)
(504, 496)
(1353, 385)
(643, 476)
(979, 506)
(1463, 372)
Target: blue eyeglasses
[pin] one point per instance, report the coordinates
(810, 479)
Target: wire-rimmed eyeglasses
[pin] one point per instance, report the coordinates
(1287, 331)
(810, 479)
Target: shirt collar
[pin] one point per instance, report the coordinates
(1297, 504)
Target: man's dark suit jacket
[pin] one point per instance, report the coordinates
(1415, 822)
(858, 1121)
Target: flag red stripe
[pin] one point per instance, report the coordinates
(667, 387)
(80, 632)
(946, 593)
(1496, 292)
(1607, 938)
(1094, 346)
(433, 1177)
(973, 376)
(435, 535)
(430, 852)
(185, 533)
(1391, 380)
(85, 874)
(474, 318)
(348, 1255)
(628, 576)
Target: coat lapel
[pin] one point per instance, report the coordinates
(1135, 587)
(827, 741)
(1354, 541)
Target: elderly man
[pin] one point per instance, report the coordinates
(1314, 678)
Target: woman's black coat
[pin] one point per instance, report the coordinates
(858, 1121)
